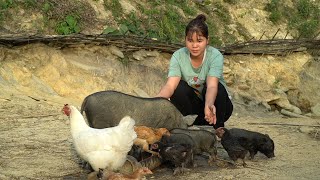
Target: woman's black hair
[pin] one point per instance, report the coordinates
(197, 25)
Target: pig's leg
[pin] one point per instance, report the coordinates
(252, 154)
(180, 170)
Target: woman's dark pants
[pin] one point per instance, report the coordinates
(188, 103)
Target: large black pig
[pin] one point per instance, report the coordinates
(254, 142)
(106, 108)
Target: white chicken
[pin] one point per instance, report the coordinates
(101, 148)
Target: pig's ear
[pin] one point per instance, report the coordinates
(184, 154)
(265, 139)
(267, 135)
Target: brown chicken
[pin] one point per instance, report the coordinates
(147, 135)
(110, 175)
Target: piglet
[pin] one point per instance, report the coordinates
(254, 142)
(177, 154)
(204, 141)
(232, 145)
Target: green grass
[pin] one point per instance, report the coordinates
(115, 7)
(273, 8)
(161, 22)
(303, 17)
(232, 2)
(222, 13)
(164, 21)
(5, 4)
(29, 3)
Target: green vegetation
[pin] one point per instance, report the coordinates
(30, 3)
(222, 13)
(68, 26)
(163, 21)
(273, 8)
(304, 16)
(115, 7)
(62, 16)
(231, 1)
(4, 5)
(67, 17)
(133, 24)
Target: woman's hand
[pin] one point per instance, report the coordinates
(210, 114)
(212, 91)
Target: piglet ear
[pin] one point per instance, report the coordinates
(100, 173)
(184, 154)
(267, 135)
(266, 138)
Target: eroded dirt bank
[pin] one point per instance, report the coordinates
(35, 143)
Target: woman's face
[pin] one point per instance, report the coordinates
(196, 44)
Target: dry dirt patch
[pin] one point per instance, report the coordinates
(35, 143)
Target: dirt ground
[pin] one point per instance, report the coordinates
(35, 143)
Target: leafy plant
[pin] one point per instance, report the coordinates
(133, 24)
(68, 26)
(122, 30)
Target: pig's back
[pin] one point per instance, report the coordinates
(106, 108)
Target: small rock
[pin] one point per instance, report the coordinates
(141, 93)
(316, 109)
(305, 129)
(228, 177)
(116, 51)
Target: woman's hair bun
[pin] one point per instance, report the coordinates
(201, 17)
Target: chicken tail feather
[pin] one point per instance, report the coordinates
(127, 122)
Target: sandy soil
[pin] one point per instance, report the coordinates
(35, 143)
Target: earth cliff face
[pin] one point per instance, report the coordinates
(274, 82)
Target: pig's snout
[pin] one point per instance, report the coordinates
(271, 155)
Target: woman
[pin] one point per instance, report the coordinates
(195, 83)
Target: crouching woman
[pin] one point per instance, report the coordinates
(195, 83)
